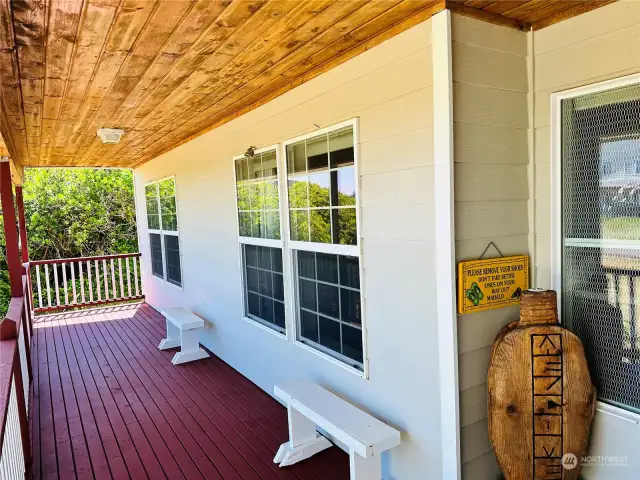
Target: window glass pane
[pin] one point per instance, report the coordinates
(317, 157)
(242, 169)
(256, 224)
(299, 221)
(345, 227)
(276, 260)
(172, 254)
(263, 288)
(270, 192)
(153, 222)
(156, 254)
(152, 205)
(319, 189)
(170, 222)
(255, 167)
(343, 182)
(271, 225)
(320, 225)
(167, 188)
(308, 294)
(327, 267)
(328, 302)
(341, 147)
(269, 165)
(168, 205)
(309, 326)
(328, 310)
(349, 271)
(243, 200)
(151, 191)
(298, 191)
(352, 342)
(329, 333)
(296, 158)
(245, 224)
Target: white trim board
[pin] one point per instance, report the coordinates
(445, 243)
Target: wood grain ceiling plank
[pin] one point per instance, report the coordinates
(333, 33)
(526, 9)
(485, 16)
(93, 31)
(62, 30)
(29, 28)
(477, 3)
(254, 31)
(500, 6)
(217, 36)
(131, 19)
(551, 9)
(205, 122)
(165, 19)
(12, 126)
(210, 40)
(572, 12)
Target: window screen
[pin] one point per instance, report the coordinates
(156, 255)
(601, 236)
(329, 304)
(264, 285)
(172, 254)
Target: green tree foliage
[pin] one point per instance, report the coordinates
(79, 212)
(74, 213)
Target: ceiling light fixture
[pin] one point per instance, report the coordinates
(110, 136)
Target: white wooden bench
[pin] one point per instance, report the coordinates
(310, 406)
(182, 331)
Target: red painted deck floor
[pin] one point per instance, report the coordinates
(108, 404)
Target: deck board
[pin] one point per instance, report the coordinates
(108, 404)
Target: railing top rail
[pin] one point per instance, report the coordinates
(83, 259)
(7, 359)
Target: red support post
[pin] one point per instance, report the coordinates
(22, 225)
(10, 230)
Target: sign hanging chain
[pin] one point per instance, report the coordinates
(488, 246)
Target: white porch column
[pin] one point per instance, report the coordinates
(445, 243)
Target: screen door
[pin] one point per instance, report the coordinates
(601, 237)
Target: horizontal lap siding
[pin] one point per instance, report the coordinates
(491, 200)
(599, 45)
(389, 88)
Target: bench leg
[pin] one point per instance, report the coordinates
(190, 350)
(304, 440)
(173, 337)
(365, 468)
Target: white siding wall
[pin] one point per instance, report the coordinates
(596, 46)
(491, 194)
(389, 89)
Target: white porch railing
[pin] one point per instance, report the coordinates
(15, 384)
(86, 281)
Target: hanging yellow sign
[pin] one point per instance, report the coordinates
(491, 283)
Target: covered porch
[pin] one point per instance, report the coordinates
(108, 404)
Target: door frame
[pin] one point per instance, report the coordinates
(556, 202)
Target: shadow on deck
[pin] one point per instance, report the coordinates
(108, 404)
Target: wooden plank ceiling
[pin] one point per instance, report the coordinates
(167, 71)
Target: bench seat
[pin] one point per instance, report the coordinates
(310, 406)
(182, 331)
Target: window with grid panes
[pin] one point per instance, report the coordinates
(258, 206)
(162, 223)
(321, 188)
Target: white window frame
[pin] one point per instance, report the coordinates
(162, 232)
(350, 250)
(263, 242)
(287, 246)
(556, 203)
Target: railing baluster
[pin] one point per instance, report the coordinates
(55, 283)
(113, 280)
(39, 286)
(135, 275)
(106, 280)
(98, 280)
(121, 279)
(139, 260)
(81, 281)
(64, 283)
(73, 282)
(46, 279)
(128, 277)
(90, 282)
